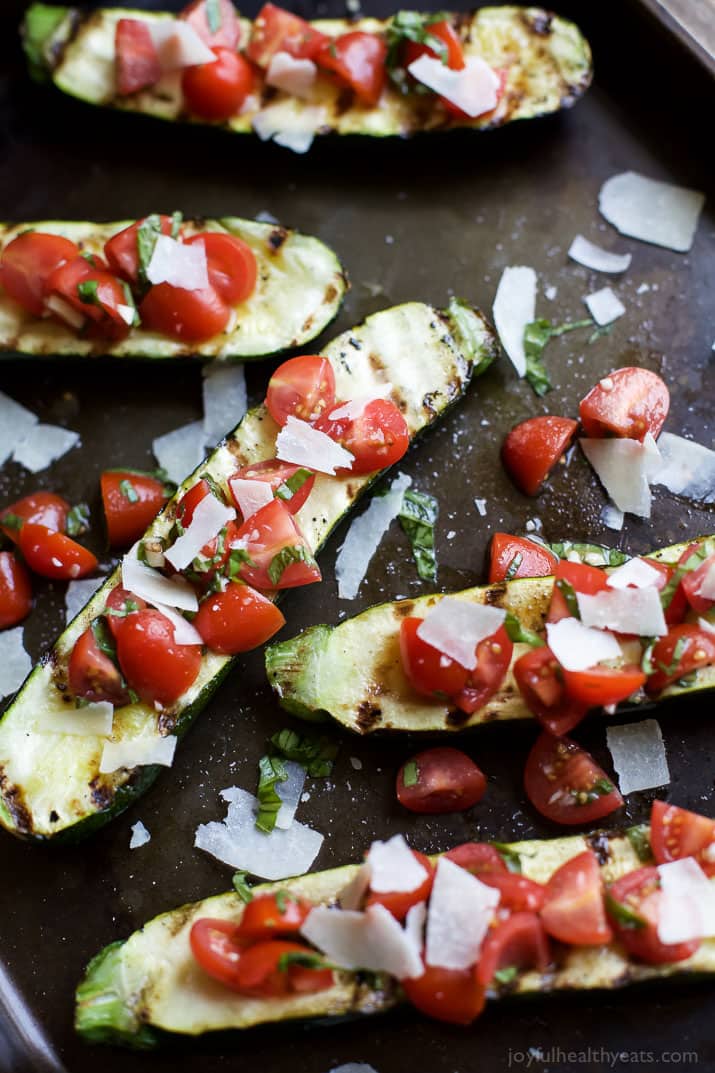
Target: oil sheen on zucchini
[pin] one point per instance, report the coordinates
(50, 784)
(300, 288)
(547, 59)
(149, 988)
(353, 671)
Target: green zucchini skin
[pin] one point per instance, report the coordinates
(147, 990)
(552, 71)
(50, 786)
(300, 289)
(372, 694)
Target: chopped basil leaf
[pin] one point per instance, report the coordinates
(418, 515)
(680, 645)
(569, 594)
(77, 520)
(411, 26)
(288, 488)
(128, 608)
(214, 487)
(282, 898)
(603, 329)
(315, 753)
(510, 857)
(12, 521)
(129, 301)
(202, 565)
(103, 638)
(270, 771)
(513, 568)
(147, 234)
(519, 633)
(242, 887)
(284, 558)
(536, 335)
(238, 557)
(87, 291)
(647, 665)
(213, 15)
(505, 976)
(133, 696)
(410, 773)
(89, 257)
(591, 554)
(623, 914)
(304, 960)
(177, 218)
(639, 838)
(603, 787)
(128, 491)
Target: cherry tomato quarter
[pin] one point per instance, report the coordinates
(565, 784)
(628, 402)
(440, 780)
(533, 448)
(15, 590)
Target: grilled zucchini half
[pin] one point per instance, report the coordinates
(149, 989)
(353, 671)
(547, 60)
(300, 288)
(50, 784)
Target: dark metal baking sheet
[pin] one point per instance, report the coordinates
(417, 219)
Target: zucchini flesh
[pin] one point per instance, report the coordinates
(50, 784)
(353, 671)
(300, 288)
(547, 59)
(140, 991)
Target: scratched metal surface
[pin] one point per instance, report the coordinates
(411, 220)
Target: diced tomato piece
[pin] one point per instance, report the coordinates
(684, 648)
(520, 942)
(138, 63)
(93, 294)
(519, 894)
(513, 556)
(131, 500)
(692, 582)
(53, 554)
(540, 678)
(190, 500)
(292, 484)
(378, 438)
(237, 619)
(278, 554)
(277, 30)
(216, 946)
(15, 590)
(302, 387)
(224, 32)
(188, 316)
(628, 402)
(633, 904)
(493, 658)
(440, 780)
(118, 606)
(565, 784)
(578, 576)
(42, 508)
(453, 53)
(268, 915)
(358, 59)
(157, 668)
(232, 265)
(452, 995)
(26, 264)
(533, 448)
(216, 91)
(602, 686)
(93, 675)
(266, 970)
(676, 833)
(573, 909)
(479, 858)
(122, 249)
(399, 903)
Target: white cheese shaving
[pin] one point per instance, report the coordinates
(652, 211)
(15, 664)
(461, 908)
(688, 468)
(636, 573)
(473, 89)
(364, 536)
(16, 424)
(127, 313)
(623, 467)
(351, 896)
(686, 908)
(140, 836)
(238, 843)
(65, 311)
(225, 398)
(636, 611)
(180, 451)
(515, 307)
(612, 517)
(372, 940)
(92, 719)
(300, 443)
(456, 627)
(296, 77)
(592, 256)
(137, 752)
(209, 518)
(604, 306)
(638, 753)
(178, 45)
(43, 446)
(577, 647)
(78, 594)
(709, 627)
(185, 633)
(415, 924)
(707, 585)
(250, 495)
(153, 587)
(291, 128)
(393, 867)
(179, 264)
(353, 1067)
(356, 406)
(481, 505)
(289, 791)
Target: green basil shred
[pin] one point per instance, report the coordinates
(284, 558)
(518, 633)
(411, 26)
(242, 886)
(418, 515)
(623, 914)
(513, 568)
(639, 838)
(569, 594)
(510, 857)
(271, 770)
(410, 774)
(128, 491)
(288, 488)
(589, 553)
(315, 752)
(536, 335)
(87, 291)
(77, 520)
(505, 976)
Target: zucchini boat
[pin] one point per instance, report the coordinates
(50, 784)
(353, 672)
(546, 60)
(299, 290)
(149, 989)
